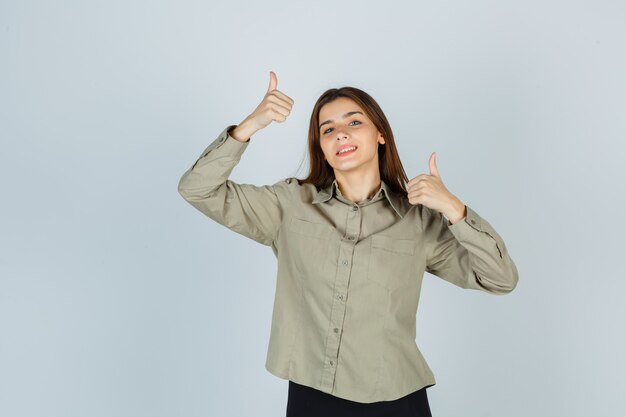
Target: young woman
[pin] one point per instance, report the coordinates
(352, 241)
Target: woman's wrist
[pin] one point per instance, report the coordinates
(243, 132)
(458, 213)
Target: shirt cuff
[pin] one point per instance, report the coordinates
(227, 144)
(471, 219)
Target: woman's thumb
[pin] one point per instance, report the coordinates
(273, 82)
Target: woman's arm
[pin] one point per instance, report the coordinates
(250, 210)
(468, 253)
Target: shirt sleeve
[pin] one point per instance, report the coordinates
(468, 253)
(250, 210)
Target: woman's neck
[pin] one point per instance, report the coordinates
(359, 189)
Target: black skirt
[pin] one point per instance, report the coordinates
(304, 401)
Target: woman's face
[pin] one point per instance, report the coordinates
(355, 129)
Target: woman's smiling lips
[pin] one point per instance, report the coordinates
(348, 152)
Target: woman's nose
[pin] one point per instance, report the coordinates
(341, 135)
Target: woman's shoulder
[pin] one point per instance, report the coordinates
(293, 185)
(289, 183)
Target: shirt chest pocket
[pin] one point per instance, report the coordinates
(392, 262)
(309, 246)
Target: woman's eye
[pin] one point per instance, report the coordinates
(326, 131)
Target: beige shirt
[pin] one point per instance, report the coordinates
(349, 275)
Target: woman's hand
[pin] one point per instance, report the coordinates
(275, 106)
(429, 191)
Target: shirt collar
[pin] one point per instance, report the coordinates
(328, 192)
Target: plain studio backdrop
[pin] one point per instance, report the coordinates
(118, 298)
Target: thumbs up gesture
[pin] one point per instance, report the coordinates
(275, 106)
(428, 190)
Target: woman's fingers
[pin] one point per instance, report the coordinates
(272, 88)
(279, 108)
(279, 102)
(280, 96)
(273, 82)
(278, 116)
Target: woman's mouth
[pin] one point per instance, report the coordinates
(347, 151)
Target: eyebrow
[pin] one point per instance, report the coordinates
(350, 113)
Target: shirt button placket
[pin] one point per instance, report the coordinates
(346, 252)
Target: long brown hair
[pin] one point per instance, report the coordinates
(321, 173)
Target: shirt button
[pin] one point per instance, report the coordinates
(354, 208)
(332, 363)
(473, 222)
(336, 330)
(350, 237)
(341, 296)
(345, 262)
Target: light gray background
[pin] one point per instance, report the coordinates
(118, 298)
